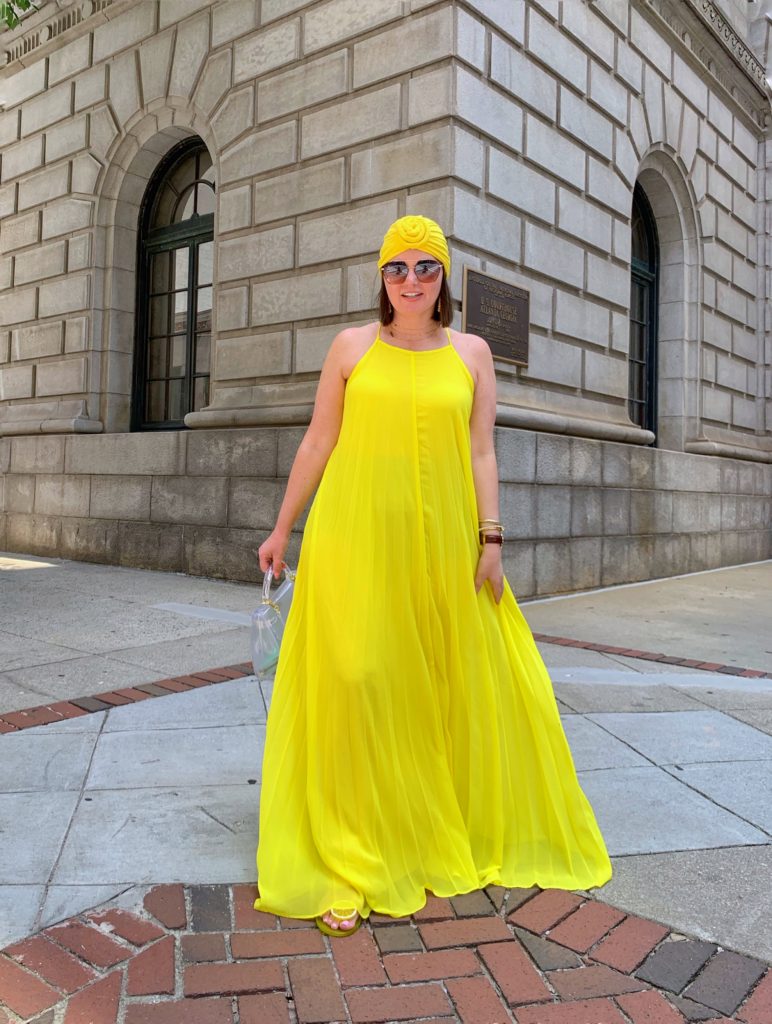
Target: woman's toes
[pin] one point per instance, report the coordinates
(335, 922)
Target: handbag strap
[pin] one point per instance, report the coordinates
(268, 577)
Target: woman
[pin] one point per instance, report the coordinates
(413, 741)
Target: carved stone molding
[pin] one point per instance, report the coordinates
(725, 31)
(711, 38)
(39, 38)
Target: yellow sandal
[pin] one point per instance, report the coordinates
(322, 925)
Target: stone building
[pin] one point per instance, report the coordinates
(192, 195)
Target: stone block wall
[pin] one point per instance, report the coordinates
(198, 502)
(579, 102)
(521, 126)
(289, 98)
(342, 144)
(586, 513)
(578, 513)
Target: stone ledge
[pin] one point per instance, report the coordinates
(732, 451)
(508, 416)
(566, 423)
(77, 425)
(266, 416)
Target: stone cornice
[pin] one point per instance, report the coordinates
(732, 41)
(49, 27)
(710, 38)
(46, 29)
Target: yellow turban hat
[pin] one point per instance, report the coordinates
(415, 232)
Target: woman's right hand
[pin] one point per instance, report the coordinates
(271, 552)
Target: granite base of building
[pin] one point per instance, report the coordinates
(579, 513)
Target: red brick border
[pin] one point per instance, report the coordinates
(665, 659)
(199, 954)
(44, 714)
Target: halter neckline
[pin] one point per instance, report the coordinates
(415, 351)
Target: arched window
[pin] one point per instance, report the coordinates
(642, 400)
(174, 290)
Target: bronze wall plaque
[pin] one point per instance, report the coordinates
(499, 312)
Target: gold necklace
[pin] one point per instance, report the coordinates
(415, 335)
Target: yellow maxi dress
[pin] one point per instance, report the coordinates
(413, 740)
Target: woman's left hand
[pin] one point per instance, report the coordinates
(489, 567)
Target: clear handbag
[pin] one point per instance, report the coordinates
(268, 621)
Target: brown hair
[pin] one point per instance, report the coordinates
(443, 311)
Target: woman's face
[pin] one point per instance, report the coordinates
(413, 295)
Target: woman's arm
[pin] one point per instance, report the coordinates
(314, 450)
(484, 466)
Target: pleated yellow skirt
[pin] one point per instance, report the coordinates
(413, 740)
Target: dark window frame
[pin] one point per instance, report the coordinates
(644, 275)
(192, 233)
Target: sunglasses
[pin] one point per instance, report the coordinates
(425, 270)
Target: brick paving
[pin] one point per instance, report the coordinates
(202, 955)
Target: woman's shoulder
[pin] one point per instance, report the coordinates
(350, 344)
(357, 334)
(474, 350)
(470, 344)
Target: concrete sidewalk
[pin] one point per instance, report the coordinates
(724, 615)
(676, 762)
(68, 629)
